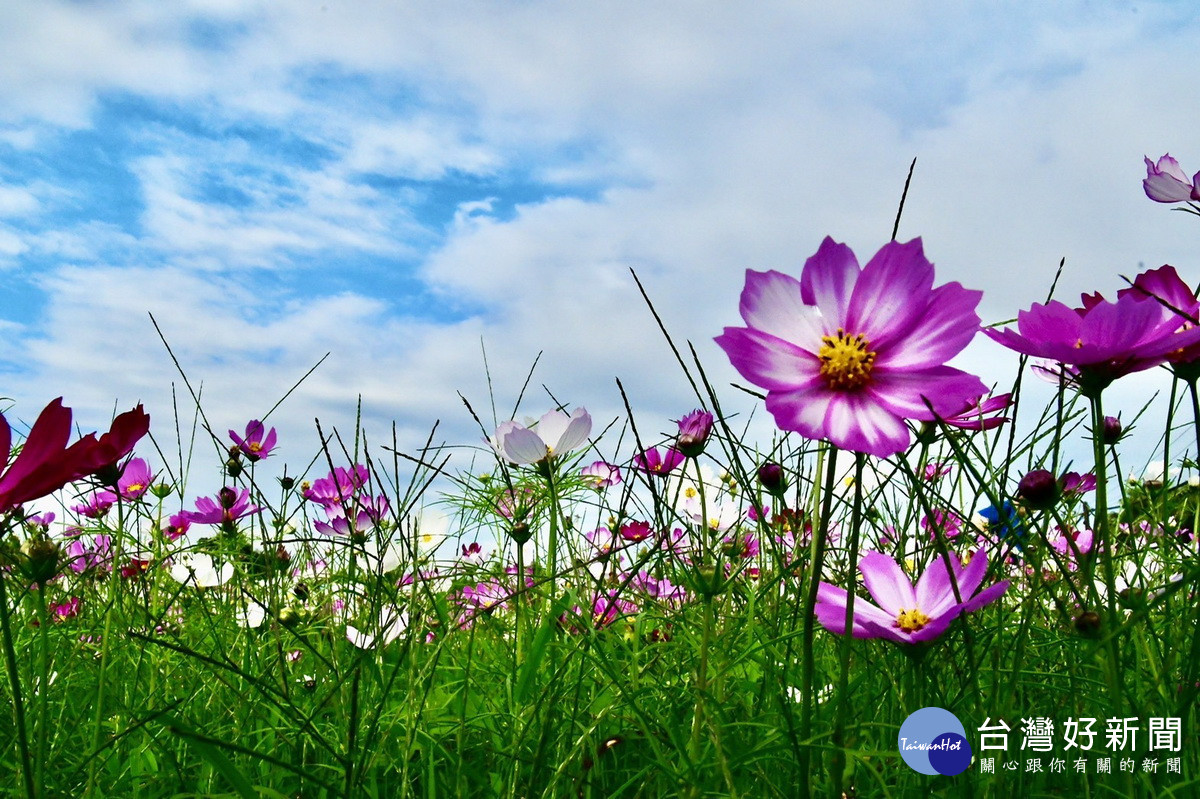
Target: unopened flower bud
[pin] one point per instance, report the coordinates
(771, 475)
(233, 467)
(227, 497)
(1038, 489)
(41, 560)
(161, 490)
(287, 483)
(1088, 623)
(694, 431)
(519, 532)
(1112, 430)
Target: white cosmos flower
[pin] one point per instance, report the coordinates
(392, 624)
(197, 569)
(555, 433)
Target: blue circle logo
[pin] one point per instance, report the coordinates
(933, 741)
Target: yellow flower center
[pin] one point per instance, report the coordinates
(255, 446)
(134, 488)
(845, 361)
(911, 620)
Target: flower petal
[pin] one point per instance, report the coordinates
(889, 298)
(887, 583)
(827, 281)
(767, 361)
(943, 329)
(773, 303)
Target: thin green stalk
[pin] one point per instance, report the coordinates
(1105, 544)
(844, 645)
(14, 679)
(43, 690)
(114, 596)
(808, 666)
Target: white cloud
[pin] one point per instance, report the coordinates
(715, 142)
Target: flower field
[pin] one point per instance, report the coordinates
(650, 607)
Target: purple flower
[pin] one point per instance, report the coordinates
(45, 463)
(177, 526)
(848, 353)
(555, 433)
(228, 506)
(694, 430)
(135, 479)
(1076, 483)
(906, 614)
(656, 461)
(1176, 301)
(1102, 340)
(339, 486)
(604, 474)
(946, 522)
(257, 443)
(1166, 182)
(981, 413)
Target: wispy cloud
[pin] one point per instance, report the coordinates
(403, 184)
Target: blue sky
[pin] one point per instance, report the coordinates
(404, 185)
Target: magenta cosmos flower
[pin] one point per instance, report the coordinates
(658, 461)
(1101, 340)
(257, 443)
(230, 504)
(848, 353)
(45, 463)
(694, 430)
(903, 613)
(1166, 182)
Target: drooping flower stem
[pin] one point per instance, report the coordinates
(14, 681)
(808, 666)
(844, 645)
(1105, 545)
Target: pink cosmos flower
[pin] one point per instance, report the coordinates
(1166, 182)
(257, 443)
(946, 522)
(694, 430)
(135, 479)
(604, 474)
(555, 433)
(1102, 340)
(177, 526)
(656, 461)
(228, 506)
(335, 489)
(903, 613)
(848, 353)
(1176, 300)
(981, 413)
(636, 531)
(45, 463)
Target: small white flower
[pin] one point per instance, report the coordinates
(198, 569)
(392, 624)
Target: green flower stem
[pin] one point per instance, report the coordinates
(808, 666)
(114, 596)
(844, 644)
(14, 680)
(43, 694)
(1105, 545)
